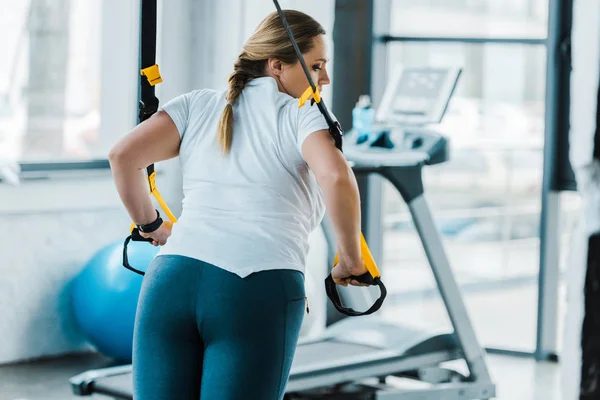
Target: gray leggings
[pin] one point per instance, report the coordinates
(204, 333)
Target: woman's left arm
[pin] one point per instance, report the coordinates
(154, 140)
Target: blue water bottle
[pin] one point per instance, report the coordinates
(362, 118)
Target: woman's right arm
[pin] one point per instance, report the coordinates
(342, 198)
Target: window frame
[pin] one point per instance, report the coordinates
(462, 39)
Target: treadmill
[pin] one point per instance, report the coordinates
(361, 357)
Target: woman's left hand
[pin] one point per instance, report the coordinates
(159, 237)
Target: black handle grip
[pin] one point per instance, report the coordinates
(136, 237)
(332, 293)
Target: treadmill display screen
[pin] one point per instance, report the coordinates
(418, 96)
(417, 92)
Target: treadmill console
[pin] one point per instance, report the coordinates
(414, 98)
(414, 145)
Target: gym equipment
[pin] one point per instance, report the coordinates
(104, 298)
(148, 105)
(359, 357)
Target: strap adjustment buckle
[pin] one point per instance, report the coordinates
(147, 110)
(152, 73)
(335, 130)
(309, 94)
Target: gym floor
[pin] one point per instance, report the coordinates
(516, 378)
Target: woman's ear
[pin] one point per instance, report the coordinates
(275, 66)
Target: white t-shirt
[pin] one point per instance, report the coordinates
(254, 208)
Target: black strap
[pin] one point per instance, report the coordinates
(148, 103)
(152, 226)
(335, 129)
(136, 237)
(332, 293)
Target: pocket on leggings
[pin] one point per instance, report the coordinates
(293, 285)
(294, 318)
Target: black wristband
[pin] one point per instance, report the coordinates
(152, 226)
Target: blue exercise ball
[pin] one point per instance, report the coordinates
(105, 294)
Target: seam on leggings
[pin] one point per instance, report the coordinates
(284, 288)
(282, 361)
(199, 326)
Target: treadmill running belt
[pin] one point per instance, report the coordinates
(329, 350)
(118, 386)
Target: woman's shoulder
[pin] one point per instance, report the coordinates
(198, 100)
(205, 93)
(193, 96)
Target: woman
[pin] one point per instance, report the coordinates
(222, 304)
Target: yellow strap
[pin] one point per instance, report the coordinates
(152, 182)
(367, 258)
(153, 74)
(154, 191)
(164, 206)
(308, 93)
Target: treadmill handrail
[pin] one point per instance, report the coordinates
(81, 383)
(379, 356)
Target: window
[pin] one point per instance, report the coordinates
(53, 79)
(470, 18)
(487, 198)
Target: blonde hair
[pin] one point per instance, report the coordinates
(270, 40)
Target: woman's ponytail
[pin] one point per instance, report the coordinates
(237, 82)
(270, 40)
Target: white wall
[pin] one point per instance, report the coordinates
(41, 253)
(50, 229)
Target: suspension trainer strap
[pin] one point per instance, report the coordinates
(148, 106)
(335, 128)
(372, 276)
(150, 74)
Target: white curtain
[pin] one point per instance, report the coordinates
(584, 98)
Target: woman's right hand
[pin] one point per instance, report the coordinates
(347, 269)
